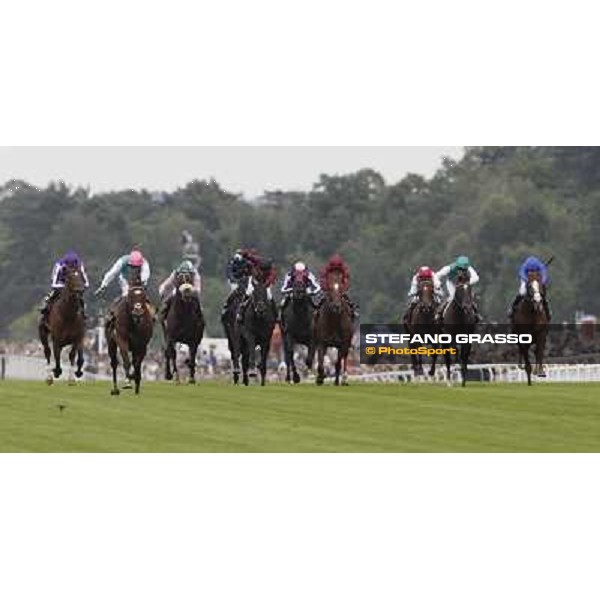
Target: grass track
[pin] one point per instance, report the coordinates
(215, 417)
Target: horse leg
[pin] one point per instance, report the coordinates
(192, 363)
(72, 355)
(524, 359)
(264, 353)
(448, 361)
(433, 363)
(288, 355)
(174, 359)
(251, 352)
(245, 361)
(539, 355)
(79, 372)
(465, 351)
(138, 357)
(338, 367)
(56, 348)
(43, 332)
(124, 351)
(167, 355)
(320, 370)
(345, 365)
(114, 363)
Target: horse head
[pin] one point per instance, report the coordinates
(137, 303)
(299, 285)
(74, 282)
(258, 298)
(463, 296)
(534, 292)
(425, 292)
(185, 287)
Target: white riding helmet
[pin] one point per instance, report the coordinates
(300, 266)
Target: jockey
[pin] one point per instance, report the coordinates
(168, 288)
(422, 275)
(126, 268)
(336, 265)
(299, 269)
(242, 267)
(531, 268)
(69, 259)
(462, 265)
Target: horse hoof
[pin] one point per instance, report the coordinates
(253, 373)
(296, 378)
(57, 373)
(114, 392)
(319, 381)
(49, 380)
(169, 376)
(79, 374)
(192, 381)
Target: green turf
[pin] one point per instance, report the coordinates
(213, 417)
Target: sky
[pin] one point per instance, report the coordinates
(238, 169)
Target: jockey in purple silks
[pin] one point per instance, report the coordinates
(531, 268)
(69, 259)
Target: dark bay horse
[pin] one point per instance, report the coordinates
(296, 324)
(257, 321)
(129, 334)
(65, 325)
(530, 318)
(420, 321)
(231, 326)
(184, 323)
(333, 328)
(460, 317)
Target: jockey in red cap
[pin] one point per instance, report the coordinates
(336, 265)
(422, 274)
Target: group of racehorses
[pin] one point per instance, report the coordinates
(249, 322)
(460, 317)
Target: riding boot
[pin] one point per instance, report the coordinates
(408, 314)
(164, 309)
(547, 308)
(82, 308)
(47, 302)
(511, 312)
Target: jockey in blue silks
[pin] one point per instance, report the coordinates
(531, 268)
(69, 259)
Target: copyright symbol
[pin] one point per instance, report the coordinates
(369, 350)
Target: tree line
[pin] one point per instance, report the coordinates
(495, 204)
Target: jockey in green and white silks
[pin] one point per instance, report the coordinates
(168, 288)
(450, 273)
(462, 265)
(125, 267)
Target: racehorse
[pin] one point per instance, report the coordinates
(231, 325)
(184, 323)
(459, 317)
(530, 318)
(296, 324)
(66, 326)
(257, 321)
(129, 332)
(421, 320)
(333, 327)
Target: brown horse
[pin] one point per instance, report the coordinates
(421, 320)
(129, 332)
(184, 323)
(333, 328)
(460, 317)
(530, 318)
(65, 325)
